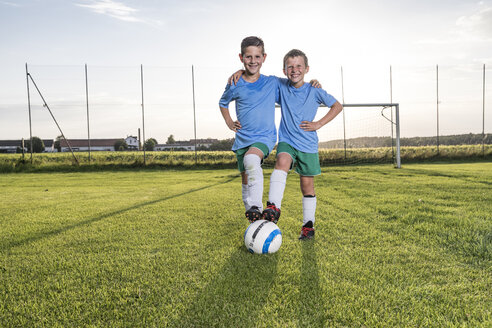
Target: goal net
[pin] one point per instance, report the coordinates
(361, 133)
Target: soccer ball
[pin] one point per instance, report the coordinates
(262, 237)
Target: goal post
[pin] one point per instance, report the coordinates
(360, 147)
(396, 123)
(367, 143)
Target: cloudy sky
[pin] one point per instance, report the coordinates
(114, 37)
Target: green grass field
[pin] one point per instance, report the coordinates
(149, 248)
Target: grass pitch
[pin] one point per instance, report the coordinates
(393, 248)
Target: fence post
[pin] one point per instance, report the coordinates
(398, 155)
(343, 115)
(143, 111)
(391, 101)
(437, 106)
(87, 105)
(194, 112)
(29, 107)
(483, 113)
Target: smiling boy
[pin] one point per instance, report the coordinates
(255, 96)
(298, 140)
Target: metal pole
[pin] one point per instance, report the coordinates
(398, 159)
(391, 101)
(343, 115)
(54, 119)
(29, 107)
(143, 112)
(139, 141)
(391, 84)
(483, 113)
(87, 105)
(437, 105)
(194, 112)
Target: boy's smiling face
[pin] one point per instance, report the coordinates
(252, 59)
(295, 69)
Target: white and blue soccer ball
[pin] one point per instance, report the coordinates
(262, 237)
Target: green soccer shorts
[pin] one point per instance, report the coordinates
(307, 164)
(241, 152)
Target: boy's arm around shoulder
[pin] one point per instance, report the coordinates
(234, 78)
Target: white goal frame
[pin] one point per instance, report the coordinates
(396, 123)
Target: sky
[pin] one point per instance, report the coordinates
(190, 47)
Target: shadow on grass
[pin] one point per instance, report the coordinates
(6, 245)
(311, 301)
(236, 294)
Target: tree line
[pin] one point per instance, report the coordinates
(374, 142)
(361, 142)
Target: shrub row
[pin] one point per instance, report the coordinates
(227, 159)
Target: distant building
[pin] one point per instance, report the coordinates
(83, 144)
(11, 146)
(132, 143)
(178, 145)
(49, 146)
(186, 145)
(204, 142)
(98, 144)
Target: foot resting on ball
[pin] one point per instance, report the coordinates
(271, 213)
(253, 214)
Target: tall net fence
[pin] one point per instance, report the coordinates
(101, 102)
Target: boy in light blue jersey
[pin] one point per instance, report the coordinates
(255, 96)
(298, 140)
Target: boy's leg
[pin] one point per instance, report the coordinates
(244, 178)
(245, 190)
(286, 155)
(308, 207)
(278, 179)
(308, 199)
(254, 178)
(308, 167)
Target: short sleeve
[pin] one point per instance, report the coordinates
(277, 88)
(227, 96)
(325, 98)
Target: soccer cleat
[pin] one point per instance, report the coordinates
(307, 231)
(271, 213)
(253, 214)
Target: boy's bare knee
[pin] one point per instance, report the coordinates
(284, 161)
(255, 151)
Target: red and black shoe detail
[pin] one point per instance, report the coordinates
(307, 231)
(253, 214)
(271, 213)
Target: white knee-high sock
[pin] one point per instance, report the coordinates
(277, 187)
(252, 165)
(245, 193)
(308, 209)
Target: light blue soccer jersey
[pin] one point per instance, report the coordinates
(300, 104)
(255, 110)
